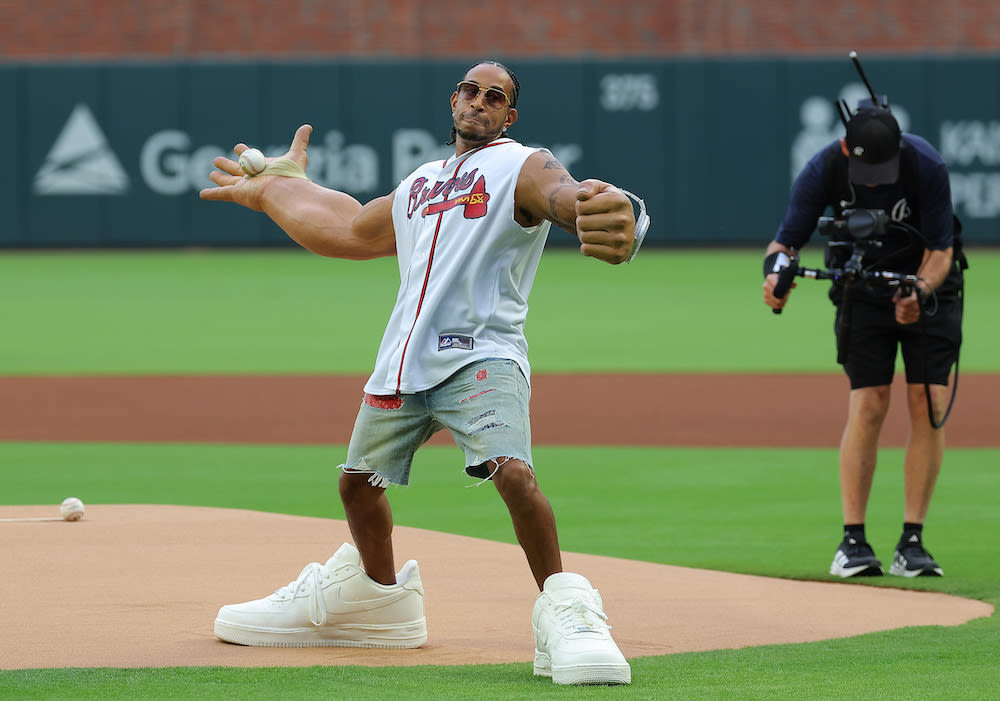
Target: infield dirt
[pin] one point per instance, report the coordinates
(147, 580)
(649, 410)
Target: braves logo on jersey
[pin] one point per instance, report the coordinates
(465, 190)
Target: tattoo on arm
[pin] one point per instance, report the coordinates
(566, 182)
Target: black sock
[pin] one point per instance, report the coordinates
(912, 533)
(855, 531)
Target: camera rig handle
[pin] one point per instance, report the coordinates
(786, 276)
(848, 274)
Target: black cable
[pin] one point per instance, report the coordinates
(927, 385)
(912, 231)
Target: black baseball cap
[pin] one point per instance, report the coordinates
(873, 141)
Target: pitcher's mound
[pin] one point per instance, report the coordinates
(140, 585)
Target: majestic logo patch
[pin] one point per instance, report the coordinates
(455, 340)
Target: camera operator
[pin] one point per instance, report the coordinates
(876, 167)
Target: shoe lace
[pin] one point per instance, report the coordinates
(308, 581)
(581, 616)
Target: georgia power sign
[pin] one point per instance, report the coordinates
(81, 161)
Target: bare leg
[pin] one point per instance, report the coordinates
(534, 522)
(370, 520)
(924, 451)
(859, 449)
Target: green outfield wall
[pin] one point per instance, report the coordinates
(113, 154)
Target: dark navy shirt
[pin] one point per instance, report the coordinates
(813, 193)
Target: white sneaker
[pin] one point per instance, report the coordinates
(573, 643)
(336, 605)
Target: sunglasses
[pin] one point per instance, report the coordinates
(494, 98)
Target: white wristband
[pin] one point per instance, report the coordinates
(641, 225)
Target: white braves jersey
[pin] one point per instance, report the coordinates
(466, 268)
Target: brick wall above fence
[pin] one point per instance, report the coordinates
(102, 29)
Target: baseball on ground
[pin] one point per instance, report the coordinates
(71, 509)
(252, 161)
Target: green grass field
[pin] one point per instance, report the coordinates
(769, 512)
(292, 312)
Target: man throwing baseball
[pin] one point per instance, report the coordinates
(468, 233)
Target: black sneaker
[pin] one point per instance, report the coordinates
(911, 560)
(855, 559)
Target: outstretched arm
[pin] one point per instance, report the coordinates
(324, 221)
(598, 213)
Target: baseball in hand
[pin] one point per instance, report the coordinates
(71, 509)
(252, 161)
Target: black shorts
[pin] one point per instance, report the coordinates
(930, 345)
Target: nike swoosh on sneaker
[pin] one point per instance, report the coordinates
(337, 604)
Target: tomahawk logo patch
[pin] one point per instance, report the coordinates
(466, 191)
(474, 202)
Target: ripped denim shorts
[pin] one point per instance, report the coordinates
(484, 406)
